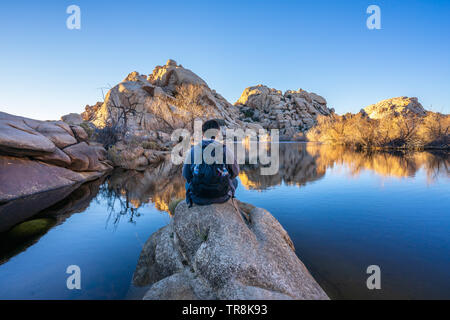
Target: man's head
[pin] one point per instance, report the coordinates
(213, 128)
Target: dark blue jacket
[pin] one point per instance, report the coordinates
(233, 169)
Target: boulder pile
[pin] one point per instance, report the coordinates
(293, 112)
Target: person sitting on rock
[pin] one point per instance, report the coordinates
(210, 179)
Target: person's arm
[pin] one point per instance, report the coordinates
(232, 164)
(187, 172)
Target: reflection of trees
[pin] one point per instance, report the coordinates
(384, 163)
(126, 191)
(302, 163)
(114, 195)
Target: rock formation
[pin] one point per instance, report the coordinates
(211, 252)
(401, 106)
(292, 112)
(38, 156)
(153, 106)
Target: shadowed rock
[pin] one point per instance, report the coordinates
(35, 172)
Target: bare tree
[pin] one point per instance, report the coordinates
(124, 109)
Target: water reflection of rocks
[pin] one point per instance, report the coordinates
(127, 191)
(299, 164)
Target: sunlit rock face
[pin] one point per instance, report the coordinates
(212, 252)
(171, 97)
(292, 112)
(400, 106)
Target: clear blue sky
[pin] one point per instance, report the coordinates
(322, 46)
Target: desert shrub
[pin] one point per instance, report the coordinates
(435, 130)
(152, 145)
(360, 131)
(108, 136)
(88, 128)
(248, 113)
(173, 205)
(114, 155)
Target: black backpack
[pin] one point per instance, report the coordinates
(210, 180)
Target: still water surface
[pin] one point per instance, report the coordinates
(344, 211)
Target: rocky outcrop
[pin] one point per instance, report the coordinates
(72, 118)
(292, 112)
(211, 252)
(38, 156)
(173, 97)
(137, 157)
(400, 106)
(153, 106)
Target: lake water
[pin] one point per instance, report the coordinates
(344, 211)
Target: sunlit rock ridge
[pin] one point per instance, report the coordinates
(400, 106)
(173, 97)
(169, 98)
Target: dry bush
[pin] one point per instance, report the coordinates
(435, 130)
(400, 132)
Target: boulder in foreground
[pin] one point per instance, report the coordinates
(211, 252)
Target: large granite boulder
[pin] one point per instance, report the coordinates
(292, 112)
(213, 252)
(400, 106)
(86, 158)
(17, 138)
(27, 137)
(72, 119)
(40, 156)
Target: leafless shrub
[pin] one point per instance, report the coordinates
(400, 132)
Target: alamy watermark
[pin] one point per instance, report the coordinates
(374, 20)
(74, 20)
(251, 146)
(74, 280)
(374, 280)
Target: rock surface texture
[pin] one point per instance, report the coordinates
(38, 156)
(212, 252)
(401, 106)
(292, 112)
